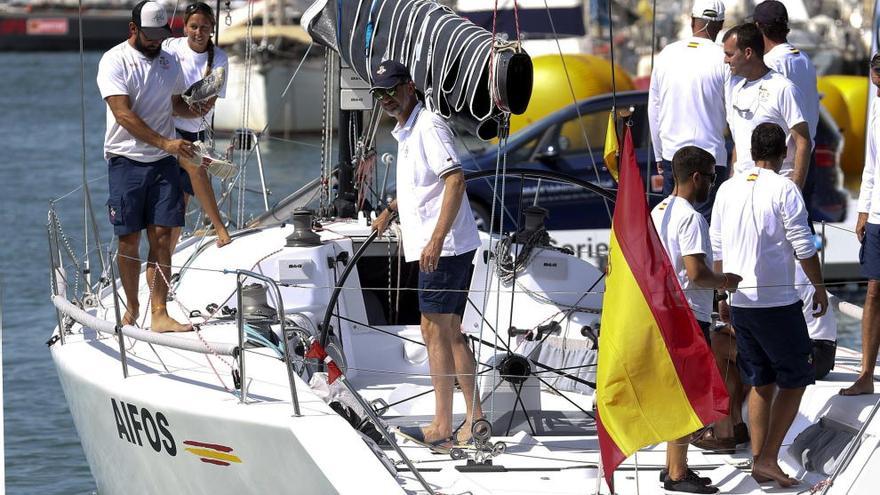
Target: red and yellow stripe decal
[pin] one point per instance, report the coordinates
(212, 453)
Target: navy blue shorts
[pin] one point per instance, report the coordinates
(773, 346)
(453, 274)
(869, 253)
(185, 182)
(144, 194)
(705, 208)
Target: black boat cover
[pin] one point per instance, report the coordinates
(465, 75)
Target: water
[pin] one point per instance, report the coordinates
(40, 117)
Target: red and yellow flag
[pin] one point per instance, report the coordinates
(656, 378)
(611, 148)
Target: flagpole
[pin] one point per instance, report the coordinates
(636, 460)
(599, 475)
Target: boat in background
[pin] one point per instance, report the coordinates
(275, 82)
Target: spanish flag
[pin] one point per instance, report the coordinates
(611, 147)
(656, 379)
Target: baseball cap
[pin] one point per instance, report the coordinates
(771, 12)
(389, 74)
(711, 10)
(151, 18)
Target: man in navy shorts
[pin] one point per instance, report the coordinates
(141, 84)
(868, 232)
(439, 231)
(765, 231)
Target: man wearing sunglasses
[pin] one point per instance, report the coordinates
(141, 84)
(438, 231)
(685, 236)
(756, 94)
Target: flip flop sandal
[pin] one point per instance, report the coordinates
(416, 435)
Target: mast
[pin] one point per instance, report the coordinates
(350, 129)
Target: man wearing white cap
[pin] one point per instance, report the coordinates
(141, 84)
(686, 97)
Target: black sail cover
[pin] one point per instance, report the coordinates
(449, 57)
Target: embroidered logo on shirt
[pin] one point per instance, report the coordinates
(693, 44)
(752, 177)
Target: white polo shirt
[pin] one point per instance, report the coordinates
(684, 232)
(797, 67)
(426, 154)
(685, 99)
(869, 192)
(194, 65)
(149, 84)
(759, 226)
(771, 98)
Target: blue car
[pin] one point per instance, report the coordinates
(559, 144)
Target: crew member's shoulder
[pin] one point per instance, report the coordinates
(429, 119)
(118, 52)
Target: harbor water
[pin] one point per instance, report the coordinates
(41, 118)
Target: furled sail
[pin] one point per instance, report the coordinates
(466, 76)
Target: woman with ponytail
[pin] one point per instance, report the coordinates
(198, 57)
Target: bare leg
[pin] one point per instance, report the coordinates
(435, 329)
(676, 458)
(465, 365)
(770, 420)
(129, 269)
(870, 342)
(175, 233)
(724, 348)
(160, 253)
(205, 194)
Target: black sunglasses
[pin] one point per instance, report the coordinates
(381, 94)
(198, 7)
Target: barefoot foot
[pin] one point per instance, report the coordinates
(130, 317)
(860, 387)
(764, 472)
(223, 237)
(163, 323)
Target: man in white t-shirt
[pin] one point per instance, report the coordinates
(771, 17)
(756, 94)
(141, 84)
(759, 229)
(685, 235)
(868, 232)
(686, 97)
(439, 232)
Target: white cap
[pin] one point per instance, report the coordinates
(151, 18)
(711, 10)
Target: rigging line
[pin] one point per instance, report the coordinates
(471, 155)
(574, 100)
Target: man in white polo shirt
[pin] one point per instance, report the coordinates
(141, 84)
(868, 232)
(759, 228)
(756, 94)
(439, 232)
(685, 236)
(686, 97)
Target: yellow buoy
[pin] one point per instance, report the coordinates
(853, 91)
(590, 76)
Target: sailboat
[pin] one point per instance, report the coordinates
(307, 352)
